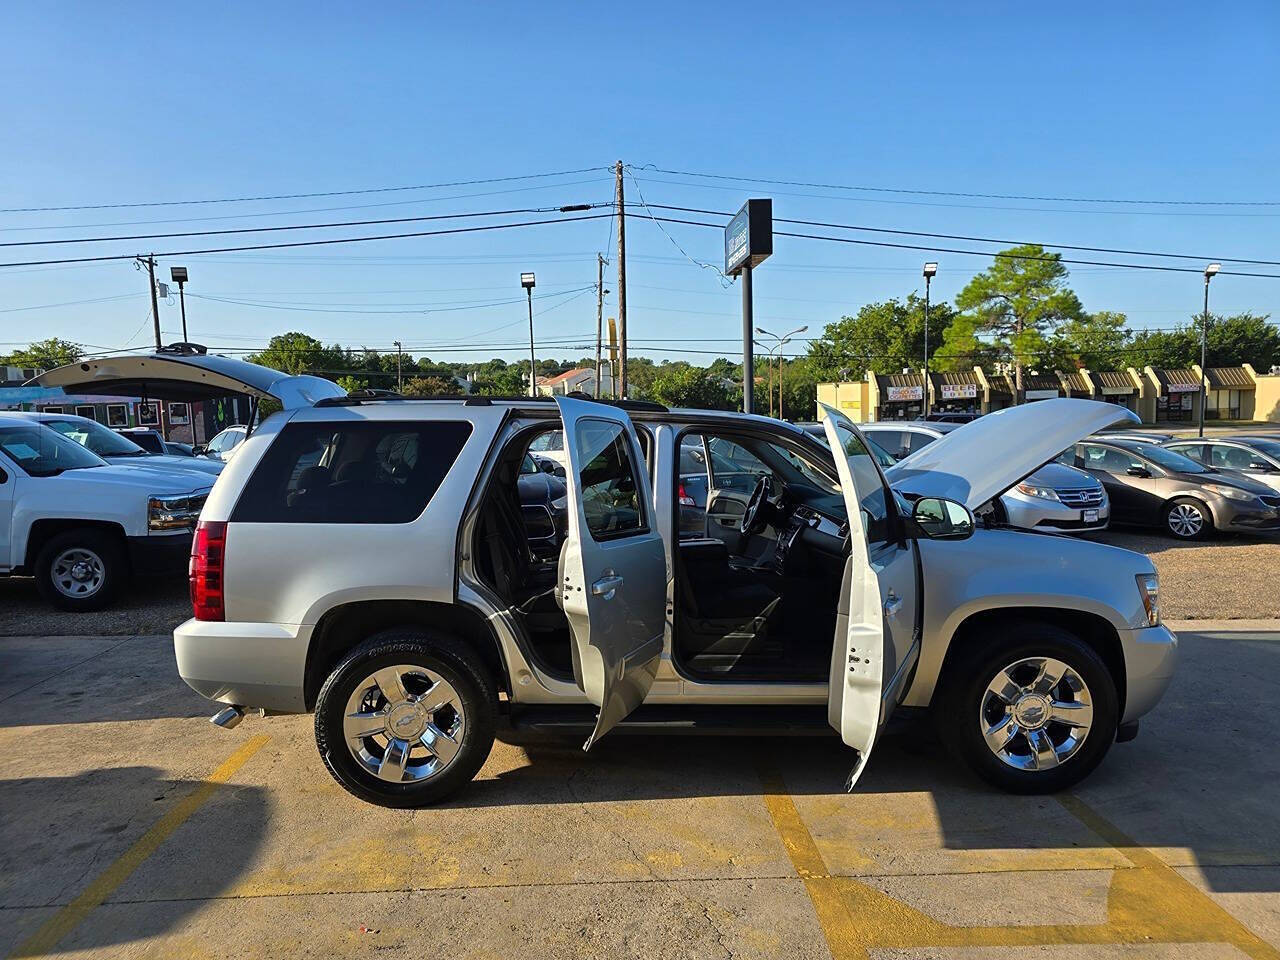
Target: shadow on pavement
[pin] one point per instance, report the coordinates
(61, 835)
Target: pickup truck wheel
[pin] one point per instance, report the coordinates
(81, 570)
(406, 718)
(1034, 714)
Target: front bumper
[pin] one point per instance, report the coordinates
(160, 554)
(245, 664)
(1150, 657)
(1033, 513)
(1229, 515)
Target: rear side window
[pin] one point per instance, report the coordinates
(363, 472)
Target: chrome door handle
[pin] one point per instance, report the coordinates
(606, 586)
(893, 605)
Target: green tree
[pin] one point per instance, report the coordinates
(1017, 304)
(351, 384)
(681, 385)
(1243, 338)
(299, 353)
(46, 354)
(1096, 341)
(431, 386)
(883, 337)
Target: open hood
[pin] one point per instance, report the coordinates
(183, 375)
(982, 459)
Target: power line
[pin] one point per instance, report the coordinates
(566, 208)
(376, 309)
(312, 243)
(953, 236)
(297, 196)
(979, 253)
(967, 195)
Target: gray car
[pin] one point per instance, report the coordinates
(1055, 499)
(1154, 486)
(1255, 457)
(365, 558)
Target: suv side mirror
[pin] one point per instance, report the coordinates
(547, 466)
(198, 450)
(940, 519)
(1261, 466)
(1136, 471)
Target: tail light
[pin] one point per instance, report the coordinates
(685, 499)
(208, 552)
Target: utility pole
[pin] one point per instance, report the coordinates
(399, 378)
(622, 285)
(150, 263)
(599, 315)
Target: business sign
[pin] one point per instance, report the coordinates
(1183, 388)
(903, 394)
(959, 391)
(1117, 391)
(748, 239)
(1041, 394)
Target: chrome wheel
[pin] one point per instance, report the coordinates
(1185, 520)
(404, 723)
(1036, 713)
(78, 572)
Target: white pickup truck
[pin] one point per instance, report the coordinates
(82, 526)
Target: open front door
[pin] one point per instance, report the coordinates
(613, 567)
(856, 704)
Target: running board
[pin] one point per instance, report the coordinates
(736, 721)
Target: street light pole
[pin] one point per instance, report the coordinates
(780, 342)
(399, 378)
(929, 270)
(528, 282)
(1209, 272)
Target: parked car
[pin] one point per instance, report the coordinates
(1137, 436)
(1154, 486)
(951, 417)
(152, 441)
(115, 448)
(1257, 458)
(82, 526)
(544, 504)
(224, 444)
(1055, 498)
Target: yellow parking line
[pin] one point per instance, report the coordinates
(1148, 902)
(69, 917)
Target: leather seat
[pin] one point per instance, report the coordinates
(713, 592)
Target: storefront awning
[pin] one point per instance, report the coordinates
(1074, 382)
(956, 385)
(900, 387)
(1229, 378)
(1178, 381)
(1114, 383)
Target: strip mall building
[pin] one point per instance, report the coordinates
(1155, 394)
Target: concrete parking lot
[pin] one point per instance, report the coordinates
(131, 827)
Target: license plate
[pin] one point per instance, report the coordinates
(1090, 516)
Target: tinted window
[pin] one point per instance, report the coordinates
(607, 482)
(866, 478)
(917, 440)
(1108, 459)
(1168, 459)
(1193, 450)
(149, 441)
(1230, 458)
(893, 442)
(384, 472)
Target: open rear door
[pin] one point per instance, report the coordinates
(613, 567)
(856, 705)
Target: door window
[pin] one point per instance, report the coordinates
(872, 496)
(893, 441)
(1108, 459)
(1229, 458)
(608, 483)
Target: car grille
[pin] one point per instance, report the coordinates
(1081, 496)
(1271, 501)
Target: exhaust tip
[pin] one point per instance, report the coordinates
(228, 718)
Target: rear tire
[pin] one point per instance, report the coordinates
(81, 570)
(1042, 754)
(427, 739)
(1188, 519)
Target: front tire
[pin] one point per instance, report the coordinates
(81, 570)
(1035, 713)
(1188, 519)
(407, 718)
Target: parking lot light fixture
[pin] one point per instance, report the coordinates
(179, 276)
(930, 271)
(1209, 273)
(528, 281)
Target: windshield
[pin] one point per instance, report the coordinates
(1166, 458)
(1269, 447)
(101, 440)
(42, 452)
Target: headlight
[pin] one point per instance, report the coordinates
(1037, 491)
(174, 513)
(1231, 493)
(1149, 587)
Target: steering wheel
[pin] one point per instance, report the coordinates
(753, 519)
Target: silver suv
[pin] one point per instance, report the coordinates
(367, 558)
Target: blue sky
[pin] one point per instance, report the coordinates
(1159, 101)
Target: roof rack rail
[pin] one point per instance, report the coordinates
(640, 406)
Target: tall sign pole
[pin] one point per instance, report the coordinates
(748, 242)
(622, 285)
